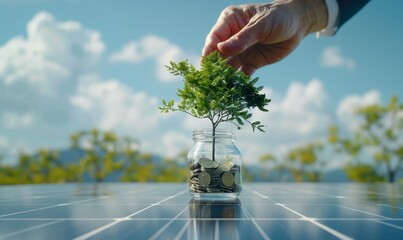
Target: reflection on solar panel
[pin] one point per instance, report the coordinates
(166, 211)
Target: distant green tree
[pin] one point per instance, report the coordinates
(43, 166)
(8, 174)
(139, 167)
(307, 162)
(173, 169)
(101, 152)
(267, 161)
(353, 148)
(382, 130)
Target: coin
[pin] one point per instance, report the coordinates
(228, 164)
(228, 179)
(207, 163)
(224, 168)
(204, 179)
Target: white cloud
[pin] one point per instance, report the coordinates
(50, 86)
(301, 110)
(332, 57)
(174, 142)
(112, 105)
(11, 120)
(294, 118)
(38, 73)
(153, 47)
(347, 106)
(3, 142)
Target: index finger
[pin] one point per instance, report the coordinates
(221, 31)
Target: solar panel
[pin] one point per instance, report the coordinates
(166, 211)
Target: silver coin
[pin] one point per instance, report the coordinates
(207, 163)
(228, 164)
(224, 168)
(228, 179)
(204, 179)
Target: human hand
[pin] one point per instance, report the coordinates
(254, 35)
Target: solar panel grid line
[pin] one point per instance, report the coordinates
(12, 234)
(362, 192)
(313, 221)
(388, 224)
(182, 231)
(48, 207)
(157, 234)
(216, 231)
(357, 210)
(204, 219)
(36, 196)
(325, 194)
(345, 212)
(102, 228)
(260, 230)
(387, 205)
(27, 211)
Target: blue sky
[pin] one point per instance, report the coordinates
(72, 65)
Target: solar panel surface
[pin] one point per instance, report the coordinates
(166, 211)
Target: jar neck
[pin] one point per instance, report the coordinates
(219, 135)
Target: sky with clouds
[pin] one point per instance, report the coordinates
(69, 65)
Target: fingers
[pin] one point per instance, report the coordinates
(248, 69)
(237, 63)
(221, 31)
(241, 41)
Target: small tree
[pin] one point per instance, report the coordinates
(382, 130)
(216, 92)
(353, 148)
(101, 151)
(307, 162)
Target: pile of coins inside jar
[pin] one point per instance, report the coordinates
(208, 176)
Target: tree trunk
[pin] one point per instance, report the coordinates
(391, 176)
(213, 152)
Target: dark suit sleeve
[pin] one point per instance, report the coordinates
(347, 9)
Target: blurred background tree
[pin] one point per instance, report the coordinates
(382, 131)
(101, 151)
(379, 136)
(306, 162)
(352, 149)
(266, 162)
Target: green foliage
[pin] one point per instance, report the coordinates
(42, 166)
(101, 151)
(382, 131)
(306, 162)
(217, 92)
(362, 173)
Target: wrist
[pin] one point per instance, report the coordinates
(312, 14)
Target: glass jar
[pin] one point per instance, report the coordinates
(214, 165)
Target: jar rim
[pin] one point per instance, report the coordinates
(219, 133)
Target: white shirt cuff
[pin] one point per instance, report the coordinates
(332, 13)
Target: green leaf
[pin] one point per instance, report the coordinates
(216, 87)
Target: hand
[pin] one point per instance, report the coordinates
(255, 35)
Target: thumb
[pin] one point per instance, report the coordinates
(241, 41)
